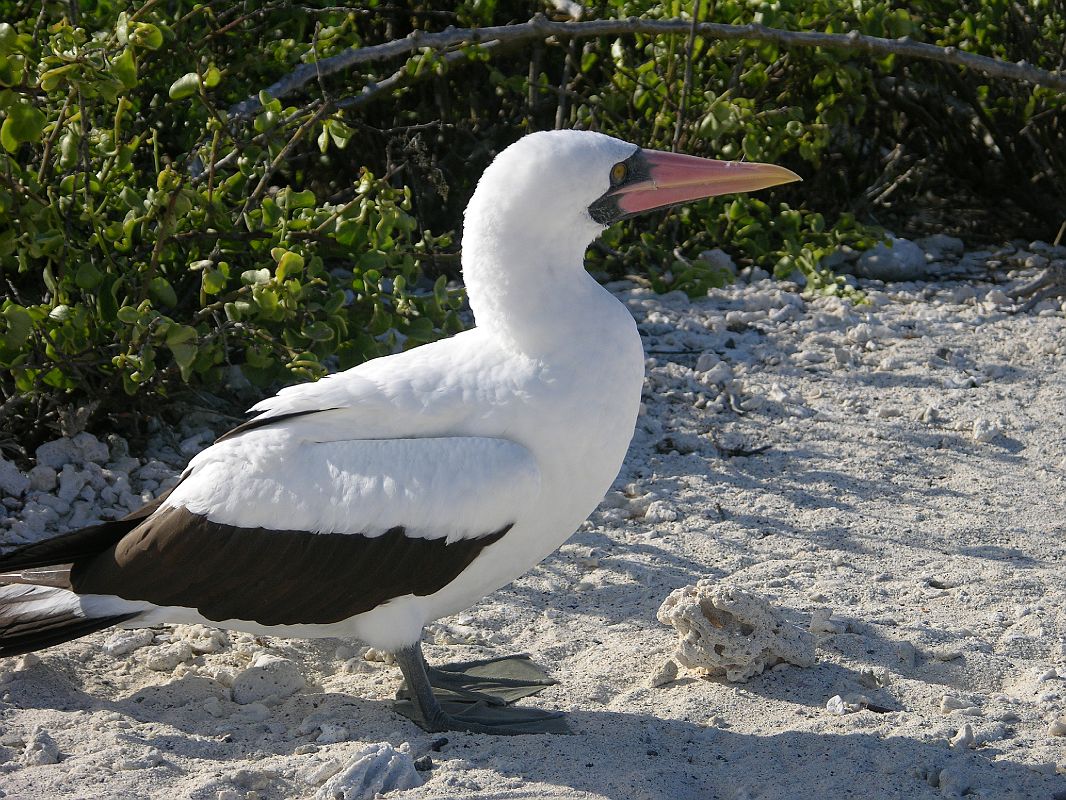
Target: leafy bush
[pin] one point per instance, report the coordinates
(149, 238)
(129, 265)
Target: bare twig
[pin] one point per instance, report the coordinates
(253, 198)
(564, 84)
(541, 28)
(686, 86)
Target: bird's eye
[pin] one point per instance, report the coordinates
(618, 173)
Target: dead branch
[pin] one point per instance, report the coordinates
(540, 27)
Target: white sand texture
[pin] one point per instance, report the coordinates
(873, 496)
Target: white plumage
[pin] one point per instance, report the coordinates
(497, 442)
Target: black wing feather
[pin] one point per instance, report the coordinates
(272, 577)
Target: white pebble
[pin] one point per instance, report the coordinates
(1057, 727)
(985, 430)
(374, 770)
(43, 478)
(658, 512)
(166, 657)
(821, 622)
(331, 734)
(839, 706)
(12, 481)
(318, 772)
(666, 673)
(127, 641)
(269, 679)
(949, 703)
(40, 750)
(964, 739)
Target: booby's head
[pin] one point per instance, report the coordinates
(573, 184)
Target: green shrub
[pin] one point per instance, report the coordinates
(148, 239)
(130, 265)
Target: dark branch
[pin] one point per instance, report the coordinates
(541, 28)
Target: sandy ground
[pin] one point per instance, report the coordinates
(900, 464)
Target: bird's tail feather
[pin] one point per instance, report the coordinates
(35, 617)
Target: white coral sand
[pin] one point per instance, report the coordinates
(827, 457)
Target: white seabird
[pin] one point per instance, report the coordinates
(405, 489)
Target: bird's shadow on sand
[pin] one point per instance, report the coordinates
(612, 753)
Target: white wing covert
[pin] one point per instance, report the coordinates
(455, 487)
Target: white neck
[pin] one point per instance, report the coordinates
(526, 285)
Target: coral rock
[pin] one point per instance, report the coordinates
(374, 770)
(268, 679)
(726, 630)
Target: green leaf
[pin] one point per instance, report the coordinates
(214, 281)
(289, 264)
(125, 68)
(318, 332)
(253, 277)
(128, 315)
(180, 334)
(146, 35)
(53, 77)
(162, 292)
(185, 86)
(24, 123)
(184, 356)
(19, 326)
(88, 276)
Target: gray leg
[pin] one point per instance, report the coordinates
(473, 702)
(429, 715)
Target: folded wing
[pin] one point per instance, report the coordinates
(291, 532)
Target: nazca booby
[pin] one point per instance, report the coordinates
(405, 489)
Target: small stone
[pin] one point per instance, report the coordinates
(269, 679)
(90, 449)
(949, 703)
(901, 260)
(12, 481)
(40, 750)
(318, 772)
(997, 298)
(964, 739)
(213, 706)
(332, 734)
(727, 630)
(666, 673)
(43, 478)
(374, 770)
(985, 430)
(373, 654)
(659, 511)
(58, 453)
(719, 258)
(940, 244)
(28, 661)
(839, 706)
(123, 642)
(166, 657)
(1057, 727)
(821, 622)
(194, 444)
(151, 758)
(424, 764)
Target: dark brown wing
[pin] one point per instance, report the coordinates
(265, 419)
(272, 577)
(83, 543)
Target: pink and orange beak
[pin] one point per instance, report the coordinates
(656, 179)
